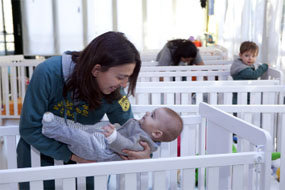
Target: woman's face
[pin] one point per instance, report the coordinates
(114, 77)
(186, 59)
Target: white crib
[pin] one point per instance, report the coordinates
(216, 52)
(186, 68)
(160, 93)
(14, 79)
(269, 117)
(15, 76)
(224, 169)
(147, 63)
(199, 73)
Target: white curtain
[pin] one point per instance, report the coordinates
(273, 30)
(38, 35)
(282, 51)
(53, 26)
(240, 21)
(255, 20)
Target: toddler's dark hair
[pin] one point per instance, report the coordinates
(248, 46)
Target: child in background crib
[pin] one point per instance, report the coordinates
(106, 143)
(245, 67)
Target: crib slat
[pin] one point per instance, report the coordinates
(213, 98)
(178, 98)
(22, 83)
(35, 157)
(237, 182)
(255, 98)
(155, 79)
(101, 182)
(269, 98)
(202, 146)
(165, 151)
(36, 185)
(59, 182)
(242, 98)
(143, 98)
(13, 77)
(188, 141)
(172, 179)
(159, 181)
(199, 97)
(69, 184)
(188, 179)
(211, 78)
(184, 98)
(156, 98)
(268, 123)
(200, 78)
(142, 180)
(5, 86)
(169, 98)
(173, 148)
(130, 181)
(213, 179)
(282, 151)
(228, 98)
(11, 157)
(281, 117)
(173, 173)
(11, 154)
(224, 142)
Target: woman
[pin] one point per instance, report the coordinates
(179, 52)
(82, 86)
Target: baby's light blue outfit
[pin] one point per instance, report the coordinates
(88, 141)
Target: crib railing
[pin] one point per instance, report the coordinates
(162, 94)
(151, 63)
(271, 74)
(184, 75)
(207, 53)
(187, 68)
(217, 161)
(210, 83)
(199, 73)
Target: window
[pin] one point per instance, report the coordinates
(7, 46)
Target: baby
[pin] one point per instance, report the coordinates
(245, 68)
(105, 141)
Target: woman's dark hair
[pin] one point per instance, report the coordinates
(110, 49)
(181, 48)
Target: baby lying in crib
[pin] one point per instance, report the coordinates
(105, 141)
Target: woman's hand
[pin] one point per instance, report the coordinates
(132, 155)
(80, 160)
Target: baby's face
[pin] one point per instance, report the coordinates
(151, 121)
(248, 57)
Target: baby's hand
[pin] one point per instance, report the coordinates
(108, 130)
